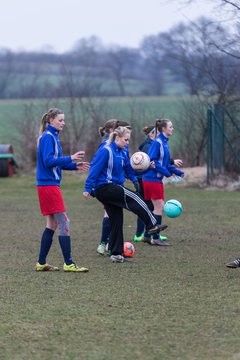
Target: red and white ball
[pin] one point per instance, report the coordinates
(140, 161)
(128, 249)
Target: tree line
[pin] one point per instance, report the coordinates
(192, 58)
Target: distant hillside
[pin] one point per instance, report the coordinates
(125, 73)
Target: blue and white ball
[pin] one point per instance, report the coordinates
(173, 208)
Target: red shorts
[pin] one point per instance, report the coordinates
(50, 200)
(153, 190)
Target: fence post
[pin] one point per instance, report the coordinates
(218, 133)
(215, 140)
(209, 143)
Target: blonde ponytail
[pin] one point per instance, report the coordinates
(119, 131)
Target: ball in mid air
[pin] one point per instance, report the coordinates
(173, 208)
(140, 161)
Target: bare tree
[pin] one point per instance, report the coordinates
(6, 70)
(233, 4)
(86, 51)
(192, 130)
(139, 116)
(228, 11)
(85, 114)
(153, 48)
(116, 59)
(28, 124)
(98, 113)
(192, 55)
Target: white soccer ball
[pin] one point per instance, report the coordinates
(140, 161)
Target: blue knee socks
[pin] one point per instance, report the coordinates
(159, 221)
(65, 243)
(45, 245)
(105, 230)
(140, 227)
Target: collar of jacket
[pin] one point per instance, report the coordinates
(115, 147)
(163, 137)
(52, 130)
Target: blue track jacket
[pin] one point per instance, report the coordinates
(159, 153)
(145, 145)
(110, 164)
(50, 161)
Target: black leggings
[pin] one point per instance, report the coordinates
(115, 198)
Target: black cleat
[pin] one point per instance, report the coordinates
(119, 259)
(234, 264)
(159, 242)
(157, 228)
(147, 240)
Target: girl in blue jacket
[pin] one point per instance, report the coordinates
(50, 163)
(105, 132)
(151, 133)
(105, 181)
(152, 180)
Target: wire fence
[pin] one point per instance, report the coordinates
(223, 142)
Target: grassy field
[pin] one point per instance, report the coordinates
(12, 111)
(179, 302)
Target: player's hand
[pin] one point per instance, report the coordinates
(178, 162)
(177, 178)
(152, 165)
(78, 156)
(83, 165)
(86, 195)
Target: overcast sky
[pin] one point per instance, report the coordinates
(35, 24)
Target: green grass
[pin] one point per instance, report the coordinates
(179, 302)
(12, 111)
